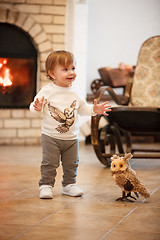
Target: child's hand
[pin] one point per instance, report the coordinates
(38, 104)
(101, 108)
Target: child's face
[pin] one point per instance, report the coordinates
(63, 76)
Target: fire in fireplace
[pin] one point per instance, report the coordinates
(18, 67)
(16, 82)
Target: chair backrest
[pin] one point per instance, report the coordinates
(146, 83)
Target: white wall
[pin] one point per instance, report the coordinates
(116, 30)
(76, 42)
(76, 38)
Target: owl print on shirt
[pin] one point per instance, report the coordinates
(66, 118)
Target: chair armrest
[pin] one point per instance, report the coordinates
(114, 96)
(127, 92)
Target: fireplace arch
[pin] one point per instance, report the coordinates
(38, 45)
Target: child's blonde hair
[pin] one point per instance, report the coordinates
(60, 57)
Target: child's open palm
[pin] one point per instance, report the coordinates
(101, 108)
(38, 104)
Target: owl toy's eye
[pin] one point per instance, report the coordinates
(121, 165)
(114, 165)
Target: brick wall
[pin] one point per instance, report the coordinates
(44, 20)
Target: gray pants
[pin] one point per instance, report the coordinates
(53, 151)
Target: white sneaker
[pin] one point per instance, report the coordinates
(46, 191)
(72, 190)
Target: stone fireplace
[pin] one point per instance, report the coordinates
(39, 28)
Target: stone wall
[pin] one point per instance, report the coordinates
(44, 21)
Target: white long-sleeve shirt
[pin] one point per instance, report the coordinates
(61, 108)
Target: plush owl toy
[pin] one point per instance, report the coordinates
(126, 178)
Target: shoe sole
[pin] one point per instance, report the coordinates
(72, 195)
(46, 197)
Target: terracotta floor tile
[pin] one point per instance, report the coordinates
(95, 216)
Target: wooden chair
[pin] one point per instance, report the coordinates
(136, 114)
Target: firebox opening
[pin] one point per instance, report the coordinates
(18, 67)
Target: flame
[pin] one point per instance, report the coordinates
(5, 75)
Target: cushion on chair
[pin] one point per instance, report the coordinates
(146, 84)
(141, 120)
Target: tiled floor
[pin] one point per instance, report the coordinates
(95, 216)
